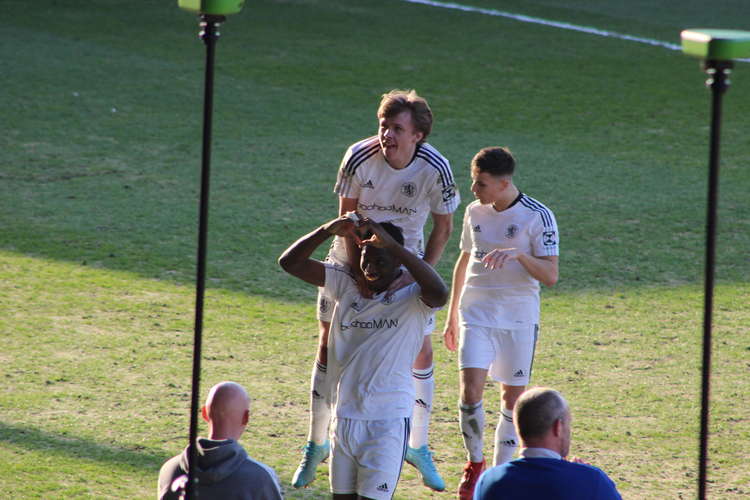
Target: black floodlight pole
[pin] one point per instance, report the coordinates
(212, 14)
(717, 48)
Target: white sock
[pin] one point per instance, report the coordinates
(424, 385)
(506, 439)
(320, 412)
(471, 417)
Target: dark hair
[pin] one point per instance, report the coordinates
(391, 229)
(398, 101)
(495, 161)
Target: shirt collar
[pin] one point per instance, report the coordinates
(539, 453)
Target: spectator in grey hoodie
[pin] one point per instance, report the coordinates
(224, 470)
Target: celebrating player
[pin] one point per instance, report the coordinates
(373, 342)
(395, 176)
(509, 244)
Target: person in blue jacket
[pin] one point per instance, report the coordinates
(543, 421)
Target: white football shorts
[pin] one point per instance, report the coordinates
(367, 456)
(507, 354)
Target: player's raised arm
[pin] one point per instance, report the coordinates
(434, 291)
(296, 259)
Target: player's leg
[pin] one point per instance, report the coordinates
(506, 438)
(380, 453)
(317, 447)
(476, 352)
(513, 368)
(418, 453)
(342, 468)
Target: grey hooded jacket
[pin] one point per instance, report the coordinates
(224, 471)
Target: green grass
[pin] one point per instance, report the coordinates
(99, 170)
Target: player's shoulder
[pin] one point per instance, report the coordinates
(431, 157)
(359, 152)
(536, 207)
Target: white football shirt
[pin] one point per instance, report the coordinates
(404, 196)
(372, 346)
(509, 296)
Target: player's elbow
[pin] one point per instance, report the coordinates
(550, 280)
(287, 263)
(439, 296)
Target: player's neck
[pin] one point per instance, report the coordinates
(509, 197)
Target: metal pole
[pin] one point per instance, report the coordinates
(717, 71)
(209, 34)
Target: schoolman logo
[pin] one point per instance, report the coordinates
(409, 189)
(368, 184)
(549, 238)
(511, 231)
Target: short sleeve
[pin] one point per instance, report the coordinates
(466, 242)
(347, 183)
(338, 281)
(544, 237)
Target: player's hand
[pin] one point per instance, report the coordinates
(450, 336)
(380, 237)
(497, 258)
(405, 279)
(345, 225)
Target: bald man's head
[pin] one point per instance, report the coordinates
(227, 410)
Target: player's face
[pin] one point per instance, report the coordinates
(487, 188)
(398, 138)
(379, 267)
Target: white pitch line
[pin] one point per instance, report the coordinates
(554, 24)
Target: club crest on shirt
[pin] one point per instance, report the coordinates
(477, 228)
(449, 192)
(549, 238)
(356, 306)
(387, 299)
(511, 231)
(409, 189)
(479, 254)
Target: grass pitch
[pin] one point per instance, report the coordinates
(99, 163)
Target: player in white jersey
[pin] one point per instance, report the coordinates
(374, 339)
(509, 244)
(395, 176)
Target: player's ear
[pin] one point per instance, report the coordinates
(557, 427)
(204, 413)
(245, 417)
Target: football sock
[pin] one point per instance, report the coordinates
(424, 385)
(320, 412)
(471, 417)
(506, 440)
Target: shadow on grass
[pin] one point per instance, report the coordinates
(80, 448)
